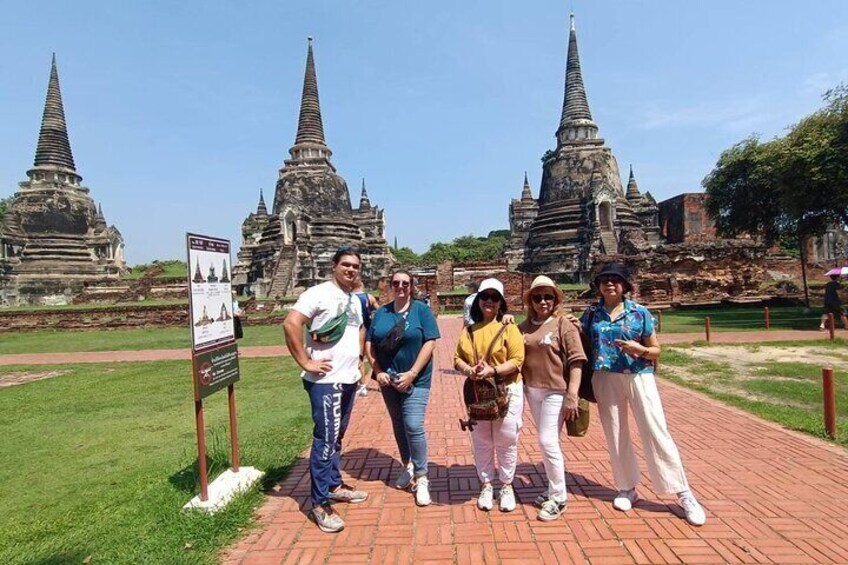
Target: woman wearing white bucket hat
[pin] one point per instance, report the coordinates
(551, 372)
(494, 351)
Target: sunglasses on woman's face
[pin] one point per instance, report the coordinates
(537, 298)
(400, 284)
(490, 296)
(613, 279)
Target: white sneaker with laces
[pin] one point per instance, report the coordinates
(507, 499)
(551, 510)
(422, 491)
(486, 500)
(405, 478)
(693, 511)
(625, 499)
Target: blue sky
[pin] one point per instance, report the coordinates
(178, 112)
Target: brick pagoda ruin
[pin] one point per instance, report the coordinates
(582, 210)
(291, 247)
(54, 239)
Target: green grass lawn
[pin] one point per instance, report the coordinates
(789, 393)
(742, 318)
(61, 341)
(99, 462)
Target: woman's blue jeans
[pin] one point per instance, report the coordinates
(407, 413)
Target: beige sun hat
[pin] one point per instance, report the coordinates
(543, 281)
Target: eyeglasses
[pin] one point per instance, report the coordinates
(537, 298)
(491, 296)
(401, 284)
(610, 278)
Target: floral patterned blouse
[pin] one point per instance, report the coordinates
(635, 323)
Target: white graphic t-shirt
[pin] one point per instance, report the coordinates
(320, 304)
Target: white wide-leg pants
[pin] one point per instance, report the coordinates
(616, 393)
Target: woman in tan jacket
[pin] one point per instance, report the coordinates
(552, 368)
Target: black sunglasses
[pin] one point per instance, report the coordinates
(610, 278)
(489, 296)
(399, 284)
(537, 298)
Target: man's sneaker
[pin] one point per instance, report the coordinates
(405, 478)
(625, 499)
(551, 510)
(486, 500)
(693, 511)
(327, 519)
(422, 491)
(362, 390)
(541, 499)
(345, 493)
(507, 499)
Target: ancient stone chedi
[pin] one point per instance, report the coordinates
(291, 248)
(54, 239)
(582, 210)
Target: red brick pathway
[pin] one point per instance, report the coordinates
(771, 495)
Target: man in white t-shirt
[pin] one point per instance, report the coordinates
(330, 373)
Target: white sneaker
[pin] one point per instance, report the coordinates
(362, 390)
(486, 500)
(625, 499)
(551, 510)
(693, 511)
(507, 497)
(405, 478)
(422, 491)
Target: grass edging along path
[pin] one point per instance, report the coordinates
(761, 379)
(67, 341)
(100, 461)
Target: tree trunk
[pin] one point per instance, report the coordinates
(804, 271)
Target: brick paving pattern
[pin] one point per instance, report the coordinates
(771, 495)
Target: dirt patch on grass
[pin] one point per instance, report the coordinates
(743, 359)
(12, 379)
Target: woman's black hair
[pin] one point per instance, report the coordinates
(477, 313)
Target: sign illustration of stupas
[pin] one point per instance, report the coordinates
(54, 239)
(290, 248)
(204, 319)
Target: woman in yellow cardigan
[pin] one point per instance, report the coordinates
(498, 437)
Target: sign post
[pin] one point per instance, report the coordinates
(214, 360)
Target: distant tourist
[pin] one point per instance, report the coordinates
(335, 339)
(552, 370)
(401, 341)
(624, 347)
(472, 287)
(368, 304)
(832, 304)
(490, 349)
(238, 331)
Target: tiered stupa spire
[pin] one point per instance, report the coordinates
(576, 122)
(309, 144)
(632, 187)
(526, 193)
(364, 202)
(261, 209)
(54, 149)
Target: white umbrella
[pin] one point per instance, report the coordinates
(839, 271)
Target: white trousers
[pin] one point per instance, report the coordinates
(546, 407)
(618, 392)
(499, 437)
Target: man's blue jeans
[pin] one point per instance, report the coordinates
(407, 413)
(331, 408)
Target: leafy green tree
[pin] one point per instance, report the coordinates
(788, 189)
(406, 256)
(468, 248)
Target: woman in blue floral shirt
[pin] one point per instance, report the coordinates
(624, 348)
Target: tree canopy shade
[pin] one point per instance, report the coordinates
(794, 186)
